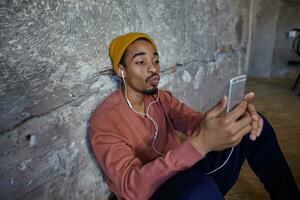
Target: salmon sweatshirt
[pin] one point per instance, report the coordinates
(123, 140)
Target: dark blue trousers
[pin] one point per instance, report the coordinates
(264, 157)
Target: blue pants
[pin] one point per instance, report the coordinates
(264, 157)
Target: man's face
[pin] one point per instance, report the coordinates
(142, 67)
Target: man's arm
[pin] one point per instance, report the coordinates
(184, 118)
(127, 176)
(216, 130)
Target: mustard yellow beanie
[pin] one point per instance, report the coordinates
(119, 45)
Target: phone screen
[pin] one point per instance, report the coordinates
(236, 91)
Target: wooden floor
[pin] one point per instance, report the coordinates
(281, 105)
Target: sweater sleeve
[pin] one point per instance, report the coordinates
(183, 118)
(128, 177)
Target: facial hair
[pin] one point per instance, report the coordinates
(150, 91)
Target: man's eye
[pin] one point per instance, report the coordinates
(156, 62)
(140, 63)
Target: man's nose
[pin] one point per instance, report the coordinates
(153, 68)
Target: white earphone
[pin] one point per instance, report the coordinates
(123, 77)
(144, 114)
(156, 126)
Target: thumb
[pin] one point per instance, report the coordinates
(217, 109)
(249, 96)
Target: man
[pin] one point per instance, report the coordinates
(133, 135)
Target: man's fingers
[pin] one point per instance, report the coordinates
(242, 122)
(260, 126)
(237, 112)
(255, 124)
(252, 110)
(252, 136)
(255, 127)
(242, 132)
(217, 109)
(249, 96)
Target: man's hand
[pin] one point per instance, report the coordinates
(218, 131)
(257, 121)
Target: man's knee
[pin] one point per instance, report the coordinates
(190, 185)
(268, 133)
(202, 186)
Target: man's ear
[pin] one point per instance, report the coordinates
(121, 69)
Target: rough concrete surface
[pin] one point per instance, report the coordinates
(270, 47)
(265, 18)
(55, 70)
(289, 18)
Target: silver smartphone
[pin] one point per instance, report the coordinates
(236, 91)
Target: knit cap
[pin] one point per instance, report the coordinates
(120, 44)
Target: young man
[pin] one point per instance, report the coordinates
(133, 135)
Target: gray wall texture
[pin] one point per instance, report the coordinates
(55, 70)
(289, 18)
(265, 18)
(270, 46)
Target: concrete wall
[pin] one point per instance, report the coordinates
(270, 47)
(264, 28)
(289, 18)
(55, 70)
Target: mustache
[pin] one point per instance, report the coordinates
(154, 74)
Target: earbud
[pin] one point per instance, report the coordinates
(122, 74)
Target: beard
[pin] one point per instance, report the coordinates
(150, 91)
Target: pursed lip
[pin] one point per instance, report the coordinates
(154, 79)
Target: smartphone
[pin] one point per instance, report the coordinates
(236, 91)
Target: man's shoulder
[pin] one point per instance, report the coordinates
(115, 103)
(108, 115)
(166, 95)
(112, 103)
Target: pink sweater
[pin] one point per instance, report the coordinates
(122, 143)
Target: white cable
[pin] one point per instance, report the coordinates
(213, 171)
(155, 135)
(145, 114)
(156, 127)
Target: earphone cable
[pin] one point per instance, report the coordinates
(145, 114)
(156, 127)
